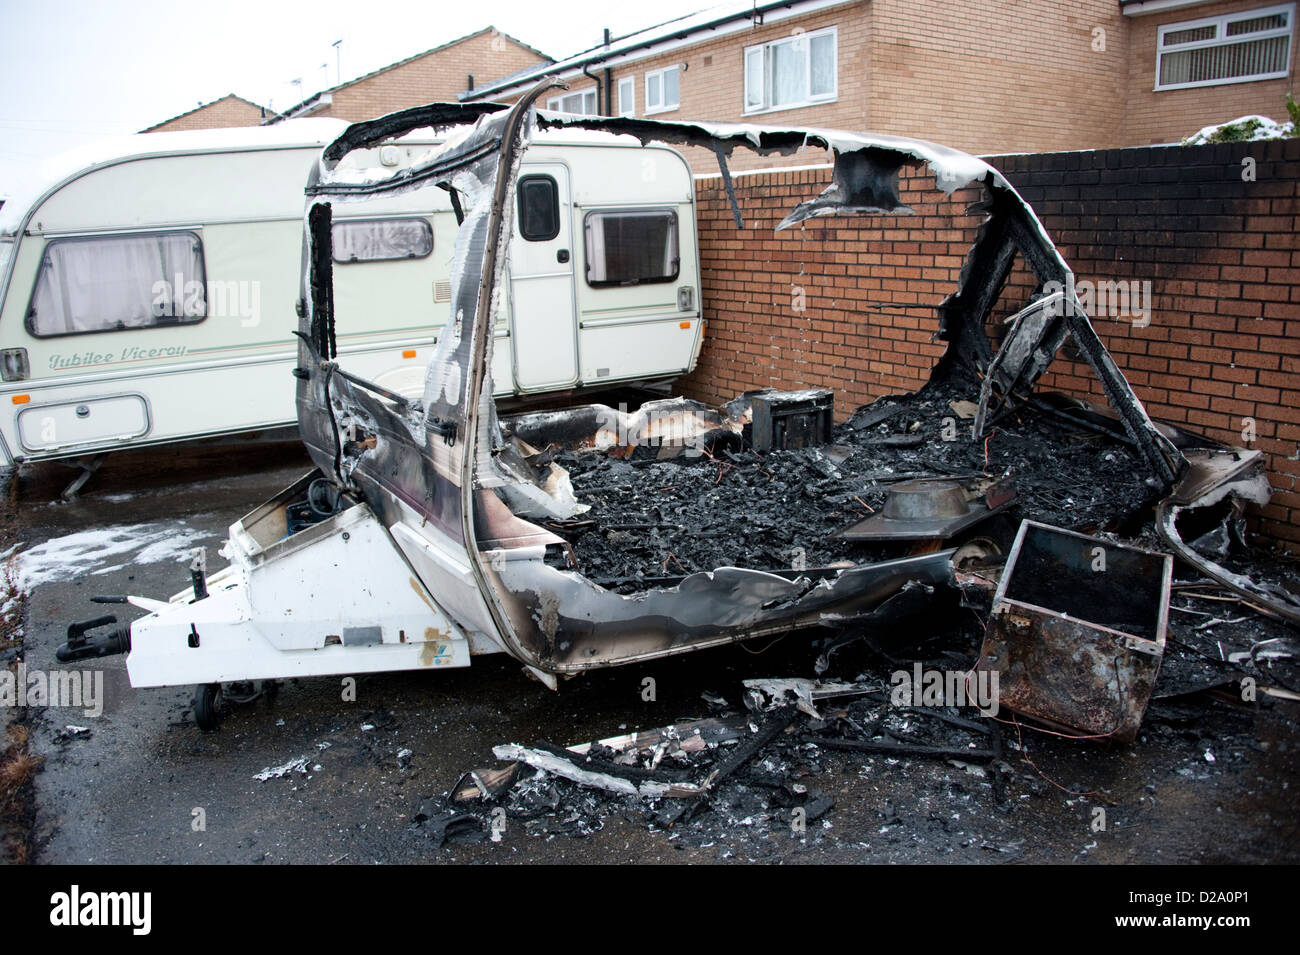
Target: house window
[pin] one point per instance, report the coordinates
(631, 246)
(378, 240)
(661, 90)
(627, 97)
(1235, 48)
(581, 103)
(799, 70)
(119, 282)
(539, 208)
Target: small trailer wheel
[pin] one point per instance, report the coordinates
(207, 703)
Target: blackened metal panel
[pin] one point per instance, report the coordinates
(566, 623)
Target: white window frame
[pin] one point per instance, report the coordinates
(554, 104)
(627, 96)
(663, 107)
(764, 49)
(1220, 23)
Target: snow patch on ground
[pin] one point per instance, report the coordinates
(100, 551)
(298, 765)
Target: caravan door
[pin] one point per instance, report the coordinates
(543, 326)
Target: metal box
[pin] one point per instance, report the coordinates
(1078, 631)
(784, 420)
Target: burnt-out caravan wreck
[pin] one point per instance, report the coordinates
(434, 530)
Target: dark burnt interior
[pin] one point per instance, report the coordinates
(659, 513)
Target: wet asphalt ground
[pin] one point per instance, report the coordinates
(1207, 781)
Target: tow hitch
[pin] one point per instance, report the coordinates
(82, 647)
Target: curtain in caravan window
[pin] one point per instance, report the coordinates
(628, 248)
(374, 240)
(118, 282)
(595, 250)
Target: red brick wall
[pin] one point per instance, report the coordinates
(1000, 75)
(435, 77)
(219, 114)
(712, 86)
(866, 326)
(952, 73)
(1222, 254)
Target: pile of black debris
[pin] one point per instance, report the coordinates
(754, 768)
(763, 765)
(654, 517)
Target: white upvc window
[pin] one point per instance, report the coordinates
(1233, 48)
(627, 96)
(581, 103)
(798, 70)
(661, 90)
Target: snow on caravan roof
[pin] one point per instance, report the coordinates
(55, 171)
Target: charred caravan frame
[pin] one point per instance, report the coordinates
(442, 462)
(453, 506)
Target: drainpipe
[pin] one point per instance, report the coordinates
(602, 91)
(609, 82)
(599, 111)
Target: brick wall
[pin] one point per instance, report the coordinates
(953, 73)
(1172, 115)
(983, 76)
(1000, 75)
(219, 114)
(712, 85)
(827, 304)
(438, 76)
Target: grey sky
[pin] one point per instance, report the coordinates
(72, 71)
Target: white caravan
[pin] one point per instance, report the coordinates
(148, 290)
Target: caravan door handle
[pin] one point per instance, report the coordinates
(562, 255)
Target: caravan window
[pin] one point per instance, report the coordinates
(539, 208)
(379, 240)
(631, 247)
(118, 282)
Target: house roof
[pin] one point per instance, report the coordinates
(323, 97)
(265, 111)
(714, 21)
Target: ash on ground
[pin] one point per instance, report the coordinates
(654, 518)
(894, 779)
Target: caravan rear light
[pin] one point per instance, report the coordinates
(21, 399)
(14, 365)
(409, 353)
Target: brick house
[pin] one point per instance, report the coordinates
(437, 75)
(228, 111)
(986, 76)
(1199, 63)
